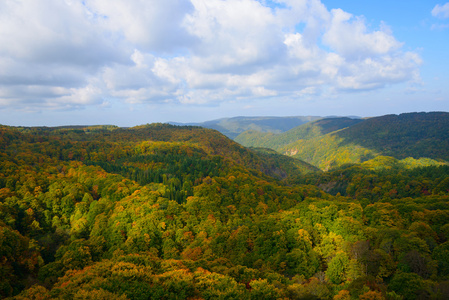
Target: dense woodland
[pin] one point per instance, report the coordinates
(167, 212)
(330, 143)
(232, 127)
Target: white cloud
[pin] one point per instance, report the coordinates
(372, 73)
(49, 52)
(441, 11)
(150, 25)
(349, 37)
(234, 36)
(146, 81)
(191, 52)
(54, 32)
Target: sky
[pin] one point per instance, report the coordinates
(133, 62)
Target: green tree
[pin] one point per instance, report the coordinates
(337, 268)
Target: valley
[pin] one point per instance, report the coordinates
(358, 209)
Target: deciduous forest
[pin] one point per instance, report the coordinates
(182, 212)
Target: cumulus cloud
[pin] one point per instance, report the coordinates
(73, 53)
(54, 32)
(349, 37)
(151, 25)
(235, 36)
(49, 52)
(441, 11)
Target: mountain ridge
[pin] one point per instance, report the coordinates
(159, 211)
(409, 134)
(232, 127)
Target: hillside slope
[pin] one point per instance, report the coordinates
(407, 135)
(410, 134)
(121, 147)
(166, 212)
(306, 131)
(330, 143)
(232, 127)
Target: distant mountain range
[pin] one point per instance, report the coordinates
(329, 142)
(232, 127)
(159, 211)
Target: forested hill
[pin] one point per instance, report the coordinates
(232, 127)
(114, 147)
(166, 212)
(310, 130)
(330, 143)
(411, 134)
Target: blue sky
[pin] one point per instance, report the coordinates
(135, 62)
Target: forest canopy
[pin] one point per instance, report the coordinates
(167, 212)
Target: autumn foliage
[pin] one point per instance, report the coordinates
(165, 212)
